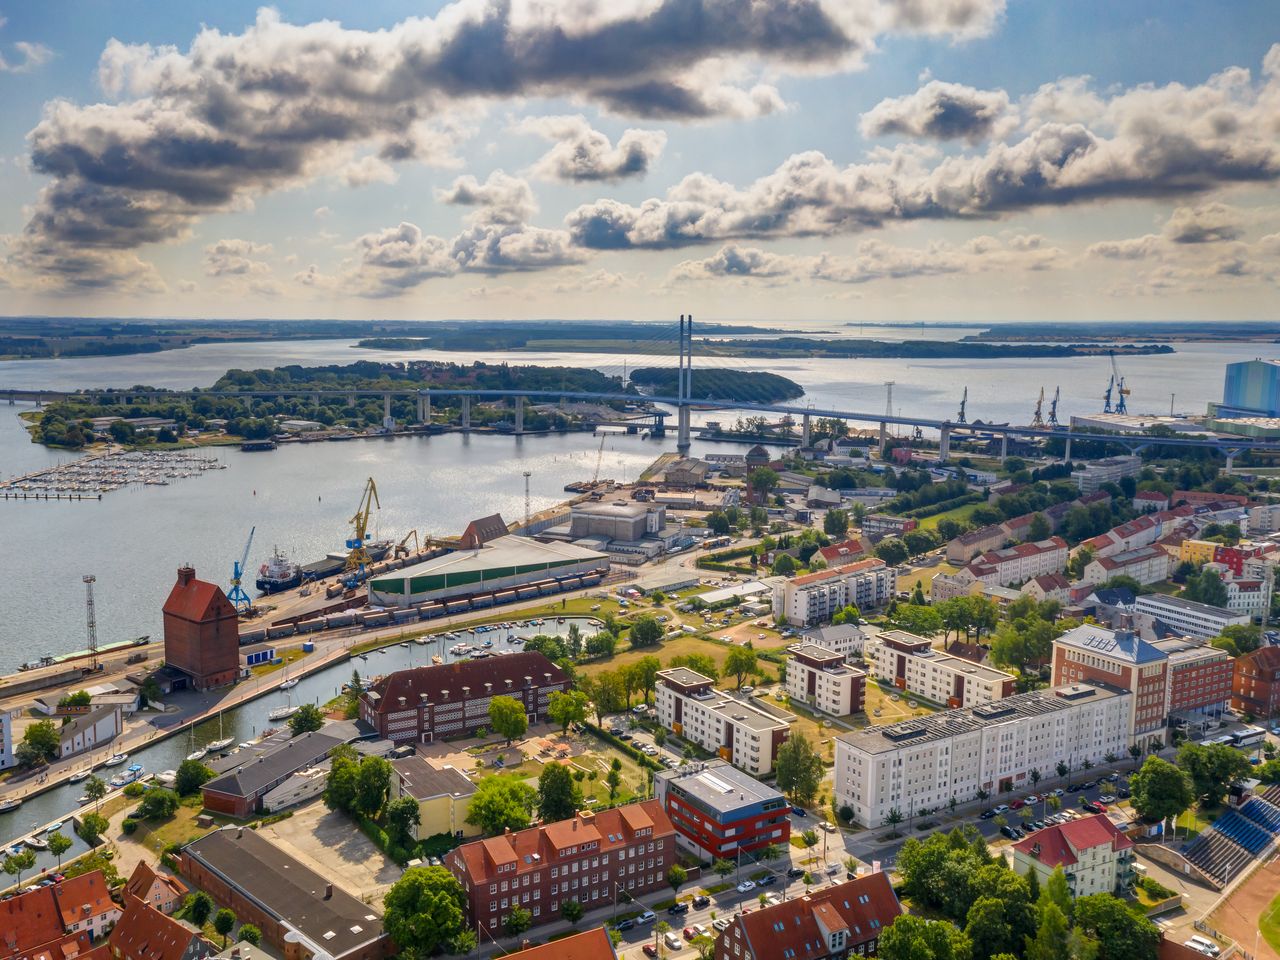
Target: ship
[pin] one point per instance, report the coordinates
(335, 561)
(278, 573)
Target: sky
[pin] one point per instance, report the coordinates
(766, 160)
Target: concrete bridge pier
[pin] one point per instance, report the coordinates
(315, 399)
(682, 429)
(424, 407)
(466, 412)
(519, 414)
(1004, 447)
(944, 445)
(804, 431)
(884, 436)
(388, 421)
(1066, 451)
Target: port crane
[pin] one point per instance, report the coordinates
(239, 599)
(1037, 420)
(1121, 390)
(1106, 397)
(599, 459)
(358, 558)
(402, 549)
(1053, 407)
(964, 400)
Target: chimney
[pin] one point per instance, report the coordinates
(528, 681)
(508, 683)
(575, 823)
(444, 694)
(488, 687)
(186, 573)
(328, 891)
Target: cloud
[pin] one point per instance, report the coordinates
(941, 111)
(321, 213)
(31, 55)
(1150, 142)
(1209, 223)
(595, 282)
(583, 154)
(366, 170)
(235, 258)
(1136, 248)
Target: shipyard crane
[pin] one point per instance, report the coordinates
(1037, 419)
(599, 459)
(1121, 390)
(964, 400)
(1106, 397)
(358, 558)
(1053, 407)
(239, 599)
(402, 549)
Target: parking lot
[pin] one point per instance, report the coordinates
(329, 843)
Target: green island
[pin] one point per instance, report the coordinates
(720, 385)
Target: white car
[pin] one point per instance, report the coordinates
(746, 886)
(720, 925)
(828, 826)
(672, 941)
(647, 917)
(1003, 808)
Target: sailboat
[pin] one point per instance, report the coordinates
(199, 751)
(290, 682)
(217, 746)
(285, 712)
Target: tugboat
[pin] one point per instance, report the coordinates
(278, 573)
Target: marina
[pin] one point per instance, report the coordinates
(97, 474)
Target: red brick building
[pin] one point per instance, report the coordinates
(591, 944)
(144, 933)
(1199, 675)
(1122, 659)
(33, 928)
(1255, 686)
(201, 632)
(448, 700)
(845, 920)
(590, 858)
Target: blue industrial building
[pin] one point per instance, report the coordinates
(1252, 389)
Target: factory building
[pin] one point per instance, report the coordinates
(619, 520)
(719, 811)
(497, 566)
(1251, 389)
(201, 634)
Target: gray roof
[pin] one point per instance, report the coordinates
(1188, 606)
(298, 753)
(330, 919)
(719, 784)
(1116, 644)
(422, 781)
(86, 720)
(834, 633)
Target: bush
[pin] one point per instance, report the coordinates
(129, 825)
(135, 790)
(1155, 889)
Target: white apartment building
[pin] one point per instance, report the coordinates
(1017, 564)
(821, 679)
(1091, 476)
(1246, 596)
(6, 739)
(911, 664)
(817, 597)
(925, 761)
(844, 639)
(1149, 564)
(1187, 617)
(739, 729)
(1264, 519)
(1093, 854)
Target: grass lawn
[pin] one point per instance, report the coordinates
(815, 727)
(180, 828)
(1269, 923)
(675, 647)
(1194, 821)
(924, 576)
(291, 655)
(880, 697)
(962, 514)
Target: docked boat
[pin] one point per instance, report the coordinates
(420, 641)
(405, 644)
(85, 798)
(278, 573)
(196, 754)
(289, 684)
(7, 805)
(217, 746)
(282, 713)
(82, 775)
(53, 827)
(36, 843)
(334, 562)
(437, 659)
(167, 778)
(487, 644)
(116, 760)
(130, 774)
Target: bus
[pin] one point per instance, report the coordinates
(1248, 737)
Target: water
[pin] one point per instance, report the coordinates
(249, 721)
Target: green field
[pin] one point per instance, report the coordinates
(1269, 924)
(961, 514)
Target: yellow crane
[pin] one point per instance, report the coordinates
(358, 558)
(402, 549)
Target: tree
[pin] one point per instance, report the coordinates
(1039, 528)
(81, 698)
(423, 910)
(723, 867)
(191, 776)
(15, 863)
(718, 523)
(705, 945)
(892, 819)
(501, 803)
(1058, 892)
(343, 779)
(697, 662)
(1206, 587)
(158, 804)
(518, 921)
(566, 708)
(59, 843)
(784, 565)
(601, 645)
(922, 621)
(676, 877)
(798, 769)
(1051, 937)
(307, 718)
(403, 817)
(913, 938)
(92, 827)
(1119, 933)
(613, 779)
(809, 838)
(373, 785)
(250, 934)
(507, 717)
(42, 743)
(761, 480)
(987, 928)
(646, 631)
(835, 523)
(1212, 769)
(558, 796)
(1161, 790)
(892, 551)
(197, 907)
(740, 663)
(607, 692)
(224, 921)
(95, 788)
(572, 911)
(848, 614)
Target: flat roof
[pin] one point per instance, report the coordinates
(422, 781)
(950, 661)
(508, 551)
(950, 723)
(719, 784)
(1188, 606)
(684, 676)
(748, 589)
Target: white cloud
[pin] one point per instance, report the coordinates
(582, 153)
(942, 111)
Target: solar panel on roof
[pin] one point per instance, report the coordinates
(715, 782)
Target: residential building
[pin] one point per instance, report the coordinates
(718, 811)
(877, 526)
(591, 858)
(1264, 519)
(1012, 566)
(425, 704)
(1093, 854)
(948, 586)
(85, 904)
(1150, 501)
(1048, 586)
(1090, 476)
(1255, 683)
(1186, 617)
(1233, 557)
(965, 547)
(835, 923)
(844, 639)
(1149, 564)
(33, 928)
(301, 913)
(1138, 532)
(742, 730)
(817, 597)
(240, 791)
(201, 633)
(1122, 659)
(144, 933)
(443, 793)
(91, 730)
(821, 679)
(1199, 677)
(925, 761)
(913, 665)
(159, 890)
(846, 551)
(593, 944)
(1248, 597)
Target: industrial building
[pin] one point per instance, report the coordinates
(1251, 388)
(816, 597)
(911, 664)
(821, 679)
(1090, 476)
(719, 811)
(739, 729)
(201, 634)
(616, 520)
(497, 566)
(240, 791)
(925, 761)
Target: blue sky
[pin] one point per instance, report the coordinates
(832, 160)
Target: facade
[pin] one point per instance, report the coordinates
(144, 933)
(1248, 597)
(1264, 519)
(158, 890)
(1187, 617)
(817, 597)
(304, 915)
(1251, 389)
(591, 859)
(1255, 683)
(201, 632)
(846, 551)
(925, 761)
(624, 520)
(91, 730)
(740, 730)
(593, 944)
(1090, 476)
(844, 639)
(948, 586)
(1014, 565)
(839, 922)
(821, 679)
(1149, 564)
(425, 704)
(880, 525)
(242, 790)
(911, 664)
(7, 758)
(443, 794)
(1199, 676)
(86, 905)
(1122, 659)
(1150, 501)
(718, 811)
(1093, 854)
(1048, 586)
(968, 545)
(686, 472)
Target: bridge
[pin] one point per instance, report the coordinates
(948, 430)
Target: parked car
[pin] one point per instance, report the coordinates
(647, 917)
(798, 812)
(833, 869)
(1033, 798)
(1017, 805)
(746, 886)
(1124, 793)
(1007, 831)
(1106, 798)
(1002, 808)
(1073, 788)
(701, 901)
(986, 814)
(676, 909)
(1111, 777)
(767, 880)
(650, 950)
(1037, 824)
(1056, 793)
(720, 925)
(828, 826)
(672, 940)
(772, 900)
(795, 873)
(696, 930)
(639, 708)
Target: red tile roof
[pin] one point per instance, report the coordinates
(144, 933)
(82, 897)
(144, 878)
(871, 563)
(844, 550)
(197, 600)
(1058, 844)
(29, 921)
(591, 944)
(865, 907)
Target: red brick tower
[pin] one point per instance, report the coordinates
(201, 632)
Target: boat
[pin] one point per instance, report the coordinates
(196, 754)
(82, 775)
(166, 778)
(85, 798)
(278, 573)
(437, 659)
(289, 684)
(37, 843)
(337, 560)
(15, 849)
(282, 713)
(53, 827)
(404, 644)
(487, 644)
(116, 760)
(420, 641)
(217, 746)
(8, 805)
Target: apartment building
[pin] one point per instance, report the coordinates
(968, 545)
(1186, 617)
(1048, 586)
(1015, 565)
(836, 923)
(1149, 564)
(821, 679)
(1199, 676)
(719, 811)
(741, 730)
(1138, 532)
(913, 665)
(1090, 476)
(1255, 683)
(880, 525)
(1248, 597)
(925, 761)
(1093, 854)
(592, 858)
(817, 597)
(844, 639)
(1122, 659)
(443, 795)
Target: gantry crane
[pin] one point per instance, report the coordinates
(1053, 408)
(1121, 390)
(964, 400)
(239, 599)
(1037, 419)
(1106, 397)
(358, 558)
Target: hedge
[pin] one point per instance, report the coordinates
(623, 745)
(942, 506)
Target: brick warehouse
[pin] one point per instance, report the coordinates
(590, 858)
(201, 632)
(435, 703)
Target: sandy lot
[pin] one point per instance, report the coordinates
(1238, 917)
(330, 844)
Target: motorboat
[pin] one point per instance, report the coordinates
(420, 641)
(116, 760)
(84, 798)
(437, 659)
(167, 778)
(53, 827)
(36, 843)
(8, 805)
(405, 644)
(81, 776)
